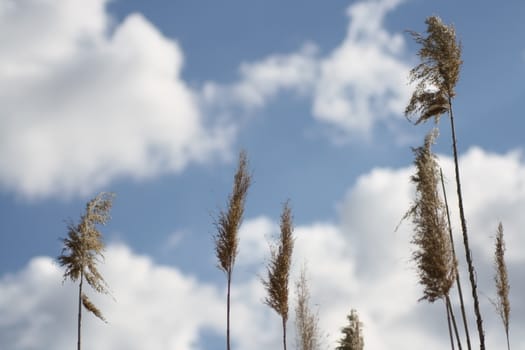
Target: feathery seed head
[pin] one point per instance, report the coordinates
(433, 255)
(92, 308)
(501, 279)
(84, 247)
(306, 322)
(438, 72)
(278, 268)
(352, 333)
(228, 223)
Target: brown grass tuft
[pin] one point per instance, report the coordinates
(438, 72)
(91, 307)
(83, 248)
(352, 334)
(228, 223)
(436, 77)
(433, 255)
(306, 322)
(502, 282)
(278, 269)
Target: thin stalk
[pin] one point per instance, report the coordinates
(79, 308)
(460, 291)
(284, 333)
(449, 323)
(228, 312)
(468, 253)
(450, 311)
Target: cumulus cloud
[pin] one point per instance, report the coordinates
(85, 100)
(260, 81)
(358, 262)
(361, 82)
(364, 80)
(155, 307)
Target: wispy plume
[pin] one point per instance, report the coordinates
(83, 248)
(228, 223)
(433, 255)
(501, 279)
(278, 270)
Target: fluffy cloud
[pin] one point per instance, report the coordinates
(155, 307)
(85, 101)
(364, 80)
(359, 262)
(262, 80)
(361, 82)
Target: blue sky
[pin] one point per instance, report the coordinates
(154, 100)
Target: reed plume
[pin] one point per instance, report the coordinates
(278, 270)
(501, 279)
(227, 224)
(433, 255)
(82, 249)
(352, 334)
(438, 72)
(436, 77)
(306, 322)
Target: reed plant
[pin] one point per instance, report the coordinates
(306, 321)
(501, 279)
(227, 224)
(278, 270)
(352, 333)
(433, 254)
(436, 76)
(83, 249)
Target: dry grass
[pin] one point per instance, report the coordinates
(352, 334)
(438, 72)
(83, 249)
(306, 322)
(91, 307)
(228, 223)
(433, 255)
(501, 279)
(436, 77)
(278, 269)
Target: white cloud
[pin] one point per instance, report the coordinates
(364, 80)
(363, 263)
(155, 307)
(361, 82)
(260, 81)
(359, 262)
(84, 102)
(256, 234)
